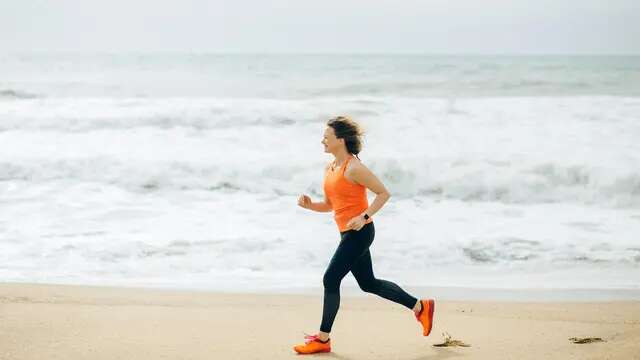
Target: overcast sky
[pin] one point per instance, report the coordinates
(427, 26)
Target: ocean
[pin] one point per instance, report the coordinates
(183, 170)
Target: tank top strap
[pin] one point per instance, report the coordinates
(344, 166)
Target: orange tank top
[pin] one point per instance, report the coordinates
(347, 199)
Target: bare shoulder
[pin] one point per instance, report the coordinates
(359, 173)
(356, 165)
(355, 171)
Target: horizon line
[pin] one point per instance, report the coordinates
(315, 53)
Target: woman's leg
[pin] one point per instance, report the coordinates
(351, 247)
(363, 272)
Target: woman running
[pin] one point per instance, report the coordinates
(346, 181)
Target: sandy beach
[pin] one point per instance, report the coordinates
(39, 321)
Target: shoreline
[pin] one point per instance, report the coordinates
(450, 293)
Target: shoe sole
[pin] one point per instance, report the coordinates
(315, 352)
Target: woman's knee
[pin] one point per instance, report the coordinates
(368, 286)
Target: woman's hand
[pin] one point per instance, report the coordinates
(304, 201)
(356, 223)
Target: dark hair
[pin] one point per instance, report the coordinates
(347, 129)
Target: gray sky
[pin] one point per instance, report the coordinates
(431, 26)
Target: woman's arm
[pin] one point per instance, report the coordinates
(362, 175)
(324, 206)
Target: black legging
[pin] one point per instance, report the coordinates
(353, 255)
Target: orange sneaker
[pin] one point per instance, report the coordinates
(312, 344)
(425, 317)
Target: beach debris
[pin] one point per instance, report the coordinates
(448, 341)
(586, 340)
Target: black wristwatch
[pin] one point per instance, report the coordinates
(366, 216)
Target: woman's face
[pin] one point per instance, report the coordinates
(330, 141)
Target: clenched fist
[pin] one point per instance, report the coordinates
(304, 201)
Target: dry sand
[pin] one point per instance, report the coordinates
(44, 322)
